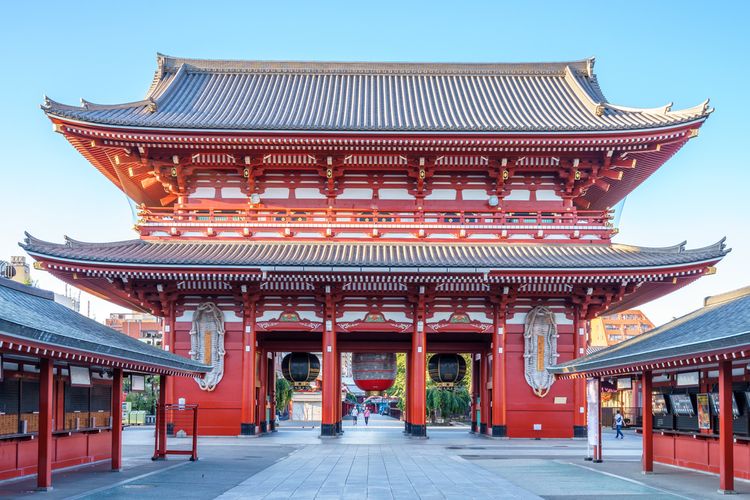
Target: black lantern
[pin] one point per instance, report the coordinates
(300, 368)
(447, 370)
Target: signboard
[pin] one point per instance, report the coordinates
(704, 416)
(687, 379)
(624, 383)
(717, 408)
(80, 376)
(659, 405)
(592, 417)
(682, 405)
(137, 383)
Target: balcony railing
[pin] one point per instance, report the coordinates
(328, 222)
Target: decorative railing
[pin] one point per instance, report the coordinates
(328, 222)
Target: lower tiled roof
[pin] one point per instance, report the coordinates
(496, 256)
(30, 314)
(723, 324)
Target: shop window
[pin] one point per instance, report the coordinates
(29, 415)
(76, 407)
(9, 405)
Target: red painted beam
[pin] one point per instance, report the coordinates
(117, 420)
(648, 423)
(44, 456)
(726, 434)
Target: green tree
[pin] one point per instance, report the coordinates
(283, 394)
(445, 403)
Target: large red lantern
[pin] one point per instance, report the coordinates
(374, 372)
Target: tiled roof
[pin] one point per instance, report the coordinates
(722, 324)
(31, 314)
(396, 97)
(383, 255)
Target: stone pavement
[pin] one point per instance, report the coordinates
(378, 461)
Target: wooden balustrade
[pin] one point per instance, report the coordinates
(185, 218)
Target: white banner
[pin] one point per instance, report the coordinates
(592, 417)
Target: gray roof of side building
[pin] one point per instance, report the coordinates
(31, 314)
(722, 324)
(499, 256)
(375, 97)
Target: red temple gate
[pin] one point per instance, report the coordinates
(316, 207)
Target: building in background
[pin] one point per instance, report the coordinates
(614, 328)
(17, 270)
(618, 394)
(144, 327)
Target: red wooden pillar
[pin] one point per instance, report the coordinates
(339, 428)
(161, 419)
(272, 391)
(263, 396)
(407, 383)
(474, 391)
(330, 351)
(117, 420)
(44, 458)
(498, 375)
(648, 423)
(419, 365)
(726, 434)
(168, 340)
(249, 370)
(484, 403)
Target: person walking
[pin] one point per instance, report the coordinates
(619, 421)
(355, 414)
(366, 414)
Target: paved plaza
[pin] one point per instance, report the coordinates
(377, 461)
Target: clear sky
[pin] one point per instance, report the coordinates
(648, 53)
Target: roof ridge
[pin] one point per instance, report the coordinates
(726, 296)
(170, 63)
(27, 289)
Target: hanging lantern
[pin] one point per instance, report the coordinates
(300, 368)
(374, 372)
(447, 370)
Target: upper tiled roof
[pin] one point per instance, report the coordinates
(395, 97)
(722, 324)
(382, 255)
(30, 314)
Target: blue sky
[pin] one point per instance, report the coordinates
(648, 53)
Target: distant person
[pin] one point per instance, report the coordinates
(619, 421)
(366, 414)
(355, 414)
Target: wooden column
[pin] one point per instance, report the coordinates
(272, 391)
(330, 351)
(249, 355)
(648, 422)
(44, 457)
(339, 428)
(419, 365)
(726, 434)
(168, 339)
(484, 403)
(475, 382)
(116, 412)
(407, 388)
(161, 420)
(498, 373)
(263, 395)
(579, 384)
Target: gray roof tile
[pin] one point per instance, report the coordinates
(28, 313)
(722, 324)
(397, 97)
(387, 255)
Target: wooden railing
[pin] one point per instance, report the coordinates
(175, 221)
